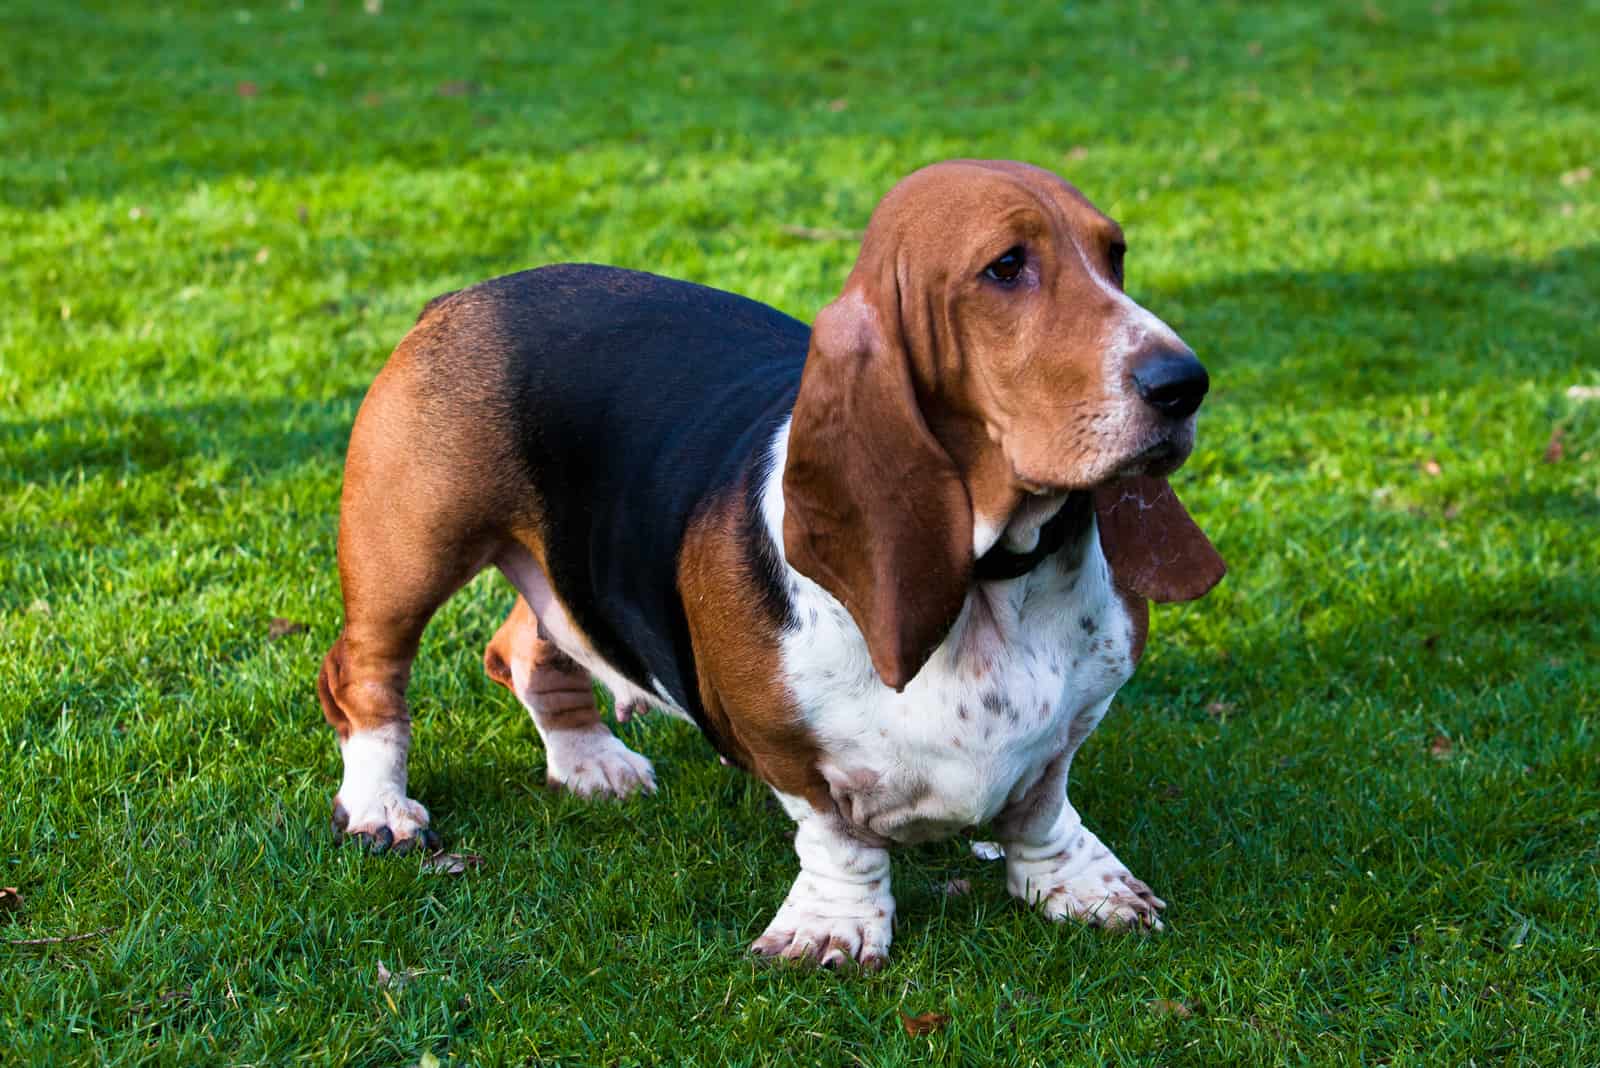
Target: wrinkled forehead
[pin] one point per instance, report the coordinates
(981, 201)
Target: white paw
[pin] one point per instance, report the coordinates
(591, 762)
(384, 821)
(371, 805)
(1086, 882)
(832, 924)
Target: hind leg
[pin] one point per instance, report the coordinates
(363, 685)
(581, 754)
(410, 536)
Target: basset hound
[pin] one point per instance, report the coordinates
(895, 564)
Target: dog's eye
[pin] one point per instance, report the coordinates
(1008, 267)
(1118, 252)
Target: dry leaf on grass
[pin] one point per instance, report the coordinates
(452, 863)
(60, 940)
(395, 981)
(1441, 747)
(1166, 1007)
(279, 627)
(957, 888)
(926, 1023)
(1432, 468)
(1583, 393)
(1554, 450)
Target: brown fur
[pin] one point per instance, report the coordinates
(737, 656)
(411, 531)
(932, 395)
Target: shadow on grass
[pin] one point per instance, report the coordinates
(1441, 637)
(1567, 506)
(1328, 339)
(259, 436)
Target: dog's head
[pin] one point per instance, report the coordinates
(983, 351)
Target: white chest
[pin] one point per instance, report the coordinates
(1026, 672)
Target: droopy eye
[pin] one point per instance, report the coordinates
(1006, 269)
(1118, 252)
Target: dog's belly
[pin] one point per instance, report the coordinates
(1024, 675)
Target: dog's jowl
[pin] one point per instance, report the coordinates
(896, 564)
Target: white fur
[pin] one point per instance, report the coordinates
(1070, 874)
(840, 908)
(1026, 672)
(985, 532)
(591, 762)
(373, 793)
(993, 705)
(587, 760)
(1022, 533)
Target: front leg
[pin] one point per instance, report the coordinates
(1055, 862)
(840, 908)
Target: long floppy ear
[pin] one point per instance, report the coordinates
(875, 511)
(1154, 548)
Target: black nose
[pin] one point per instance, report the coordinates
(1172, 382)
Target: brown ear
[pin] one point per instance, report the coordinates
(874, 509)
(1154, 548)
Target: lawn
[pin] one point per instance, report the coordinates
(1365, 771)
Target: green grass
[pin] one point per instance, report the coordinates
(1365, 771)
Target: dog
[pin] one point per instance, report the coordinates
(896, 565)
